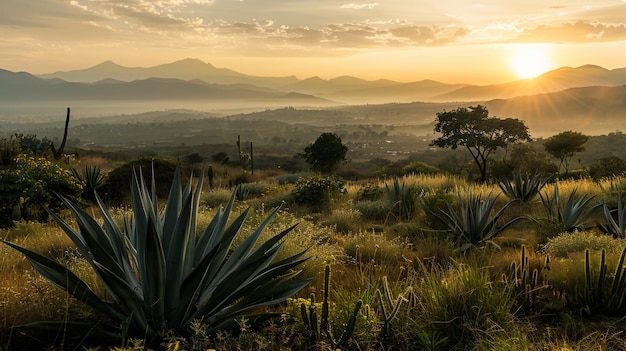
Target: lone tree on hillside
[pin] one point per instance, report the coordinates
(326, 154)
(480, 134)
(564, 145)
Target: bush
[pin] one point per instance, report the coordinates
(419, 168)
(369, 192)
(567, 243)
(607, 167)
(464, 306)
(318, 192)
(116, 190)
(373, 210)
(30, 183)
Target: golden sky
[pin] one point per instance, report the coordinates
(452, 41)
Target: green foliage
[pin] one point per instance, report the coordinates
(324, 330)
(116, 188)
(9, 149)
(326, 154)
(523, 188)
(564, 146)
(569, 215)
(474, 225)
(434, 202)
(373, 210)
(419, 168)
(369, 192)
(30, 183)
(481, 135)
(615, 218)
(161, 274)
(318, 192)
(523, 158)
(605, 167)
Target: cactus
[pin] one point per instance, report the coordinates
(310, 319)
(525, 282)
(245, 159)
(58, 153)
(389, 307)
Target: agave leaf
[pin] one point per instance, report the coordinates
(130, 300)
(173, 208)
(176, 254)
(119, 242)
(154, 282)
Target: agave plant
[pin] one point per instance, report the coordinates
(524, 188)
(570, 215)
(615, 226)
(162, 274)
(403, 199)
(475, 225)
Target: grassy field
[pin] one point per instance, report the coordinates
(427, 277)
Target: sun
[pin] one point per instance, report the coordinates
(529, 61)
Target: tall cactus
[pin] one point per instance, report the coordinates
(58, 153)
(310, 318)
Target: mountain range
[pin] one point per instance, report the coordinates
(347, 89)
(586, 96)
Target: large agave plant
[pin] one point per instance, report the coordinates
(162, 274)
(473, 224)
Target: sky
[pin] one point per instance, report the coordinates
(452, 41)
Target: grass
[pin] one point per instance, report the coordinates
(456, 301)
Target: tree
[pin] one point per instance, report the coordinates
(326, 154)
(480, 134)
(564, 145)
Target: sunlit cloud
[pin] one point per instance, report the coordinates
(573, 32)
(360, 6)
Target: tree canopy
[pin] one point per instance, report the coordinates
(480, 134)
(564, 145)
(326, 154)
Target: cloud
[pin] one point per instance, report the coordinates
(573, 32)
(370, 5)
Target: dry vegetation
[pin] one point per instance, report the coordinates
(448, 299)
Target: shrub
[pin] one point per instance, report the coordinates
(30, 183)
(318, 192)
(434, 202)
(567, 243)
(465, 306)
(607, 167)
(419, 168)
(116, 190)
(369, 192)
(373, 210)
(291, 178)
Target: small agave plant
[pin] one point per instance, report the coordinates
(162, 274)
(474, 225)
